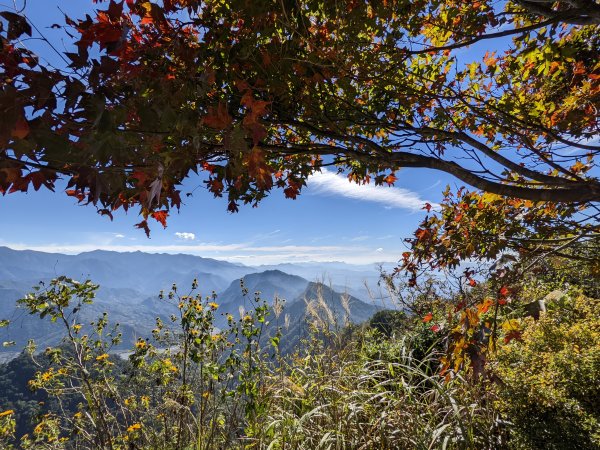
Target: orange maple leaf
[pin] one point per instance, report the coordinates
(422, 234)
(80, 196)
(161, 216)
(390, 179)
(259, 169)
(484, 306)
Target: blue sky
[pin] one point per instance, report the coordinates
(333, 220)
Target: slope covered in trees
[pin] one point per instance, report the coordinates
(377, 385)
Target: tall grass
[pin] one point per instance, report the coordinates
(370, 393)
(345, 387)
(351, 388)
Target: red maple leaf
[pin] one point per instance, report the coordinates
(144, 226)
(140, 176)
(215, 186)
(218, 117)
(37, 179)
(161, 216)
(80, 196)
(21, 129)
(515, 334)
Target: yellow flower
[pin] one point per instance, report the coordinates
(48, 375)
(169, 365)
(102, 357)
(216, 337)
(213, 305)
(132, 428)
(8, 412)
(77, 328)
(247, 318)
(140, 344)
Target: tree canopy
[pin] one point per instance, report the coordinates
(261, 94)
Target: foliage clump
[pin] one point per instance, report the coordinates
(465, 370)
(551, 383)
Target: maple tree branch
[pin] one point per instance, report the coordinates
(555, 250)
(580, 194)
(529, 126)
(577, 194)
(466, 43)
(573, 191)
(497, 157)
(36, 165)
(584, 12)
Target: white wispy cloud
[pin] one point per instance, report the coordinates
(186, 236)
(434, 185)
(119, 236)
(330, 183)
(265, 236)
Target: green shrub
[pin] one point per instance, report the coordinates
(550, 380)
(188, 387)
(191, 386)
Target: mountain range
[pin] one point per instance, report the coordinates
(130, 283)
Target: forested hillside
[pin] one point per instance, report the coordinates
(131, 282)
(308, 374)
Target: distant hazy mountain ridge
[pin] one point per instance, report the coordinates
(130, 283)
